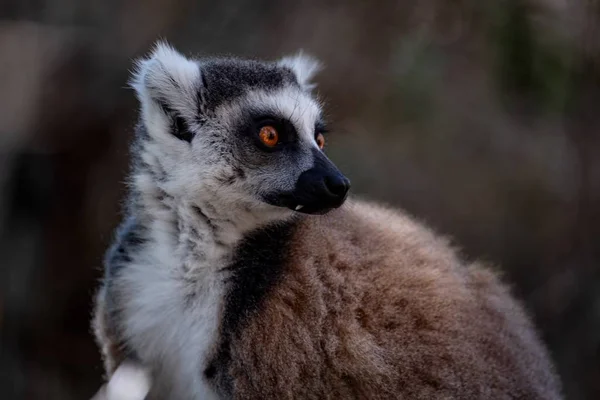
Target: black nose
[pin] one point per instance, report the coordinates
(338, 185)
(319, 190)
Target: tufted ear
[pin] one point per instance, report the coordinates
(168, 85)
(305, 67)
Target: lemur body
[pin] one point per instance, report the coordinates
(223, 285)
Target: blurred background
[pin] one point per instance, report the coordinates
(481, 118)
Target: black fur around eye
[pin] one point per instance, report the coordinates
(285, 130)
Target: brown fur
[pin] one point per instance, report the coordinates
(374, 306)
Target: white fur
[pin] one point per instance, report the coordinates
(166, 74)
(128, 382)
(304, 66)
(174, 302)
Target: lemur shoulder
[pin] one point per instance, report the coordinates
(242, 272)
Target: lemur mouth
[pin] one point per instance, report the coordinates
(308, 204)
(311, 210)
(303, 206)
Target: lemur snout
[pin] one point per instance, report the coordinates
(321, 188)
(318, 192)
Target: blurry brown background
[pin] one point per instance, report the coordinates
(479, 117)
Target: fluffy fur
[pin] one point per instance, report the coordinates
(305, 68)
(221, 292)
(371, 305)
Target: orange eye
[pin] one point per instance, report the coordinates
(320, 140)
(268, 135)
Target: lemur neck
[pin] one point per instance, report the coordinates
(197, 223)
(200, 230)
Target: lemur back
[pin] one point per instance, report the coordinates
(368, 304)
(241, 271)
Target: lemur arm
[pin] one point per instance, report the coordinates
(107, 320)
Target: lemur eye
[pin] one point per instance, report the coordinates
(268, 135)
(320, 140)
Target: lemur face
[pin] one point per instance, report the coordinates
(239, 131)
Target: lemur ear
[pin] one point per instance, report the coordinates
(305, 67)
(168, 85)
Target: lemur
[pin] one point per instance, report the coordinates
(241, 271)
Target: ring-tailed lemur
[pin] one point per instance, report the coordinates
(240, 271)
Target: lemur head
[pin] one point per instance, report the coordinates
(236, 131)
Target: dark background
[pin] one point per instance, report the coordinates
(481, 118)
